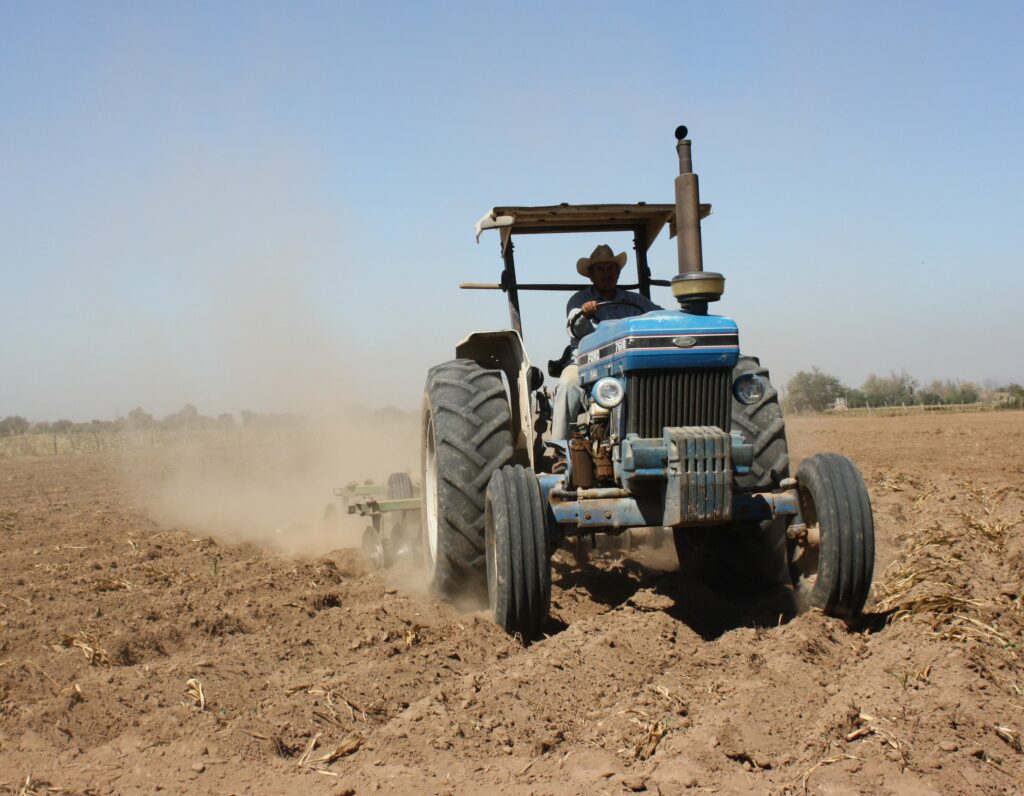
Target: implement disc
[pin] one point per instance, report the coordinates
(373, 548)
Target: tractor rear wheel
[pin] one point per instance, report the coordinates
(467, 436)
(832, 565)
(763, 427)
(518, 559)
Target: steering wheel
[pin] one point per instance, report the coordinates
(595, 320)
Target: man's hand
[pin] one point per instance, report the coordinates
(588, 309)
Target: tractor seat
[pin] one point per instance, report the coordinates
(556, 366)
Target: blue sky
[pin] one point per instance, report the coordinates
(270, 206)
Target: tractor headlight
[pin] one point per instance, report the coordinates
(608, 392)
(749, 389)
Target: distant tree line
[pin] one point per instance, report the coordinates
(815, 391)
(187, 418)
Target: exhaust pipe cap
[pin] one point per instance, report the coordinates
(698, 286)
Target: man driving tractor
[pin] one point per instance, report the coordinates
(604, 301)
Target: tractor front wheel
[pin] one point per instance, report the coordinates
(518, 559)
(832, 561)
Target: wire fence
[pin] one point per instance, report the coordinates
(912, 409)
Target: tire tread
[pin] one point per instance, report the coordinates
(846, 528)
(517, 537)
(467, 408)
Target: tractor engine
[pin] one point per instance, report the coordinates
(661, 391)
(590, 452)
(667, 368)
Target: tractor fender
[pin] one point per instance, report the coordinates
(503, 350)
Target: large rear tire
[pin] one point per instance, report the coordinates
(833, 566)
(518, 558)
(467, 436)
(762, 426)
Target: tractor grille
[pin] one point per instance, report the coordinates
(659, 398)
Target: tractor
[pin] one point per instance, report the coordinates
(679, 431)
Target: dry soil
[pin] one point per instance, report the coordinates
(141, 657)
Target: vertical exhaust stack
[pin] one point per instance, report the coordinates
(691, 256)
(693, 287)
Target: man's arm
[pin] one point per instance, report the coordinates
(578, 323)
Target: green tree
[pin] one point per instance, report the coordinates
(186, 417)
(813, 390)
(855, 398)
(895, 389)
(965, 392)
(949, 391)
(1014, 398)
(13, 425)
(139, 419)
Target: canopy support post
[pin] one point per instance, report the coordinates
(643, 272)
(508, 283)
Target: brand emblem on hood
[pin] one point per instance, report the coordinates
(684, 342)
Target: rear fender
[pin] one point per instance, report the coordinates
(504, 351)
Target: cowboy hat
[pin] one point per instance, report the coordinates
(602, 254)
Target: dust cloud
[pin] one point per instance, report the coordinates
(255, 315)
(271, 486)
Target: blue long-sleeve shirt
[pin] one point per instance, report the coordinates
(578, 326)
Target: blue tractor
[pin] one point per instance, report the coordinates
(680, 431)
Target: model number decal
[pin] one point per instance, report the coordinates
(721, 340)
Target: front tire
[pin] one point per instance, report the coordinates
(833, 565)
(467, 436)
(518, 559)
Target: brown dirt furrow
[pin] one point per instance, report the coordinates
(137, 656)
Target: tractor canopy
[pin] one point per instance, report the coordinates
(644, 220)
(582, 218)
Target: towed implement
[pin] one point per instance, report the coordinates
(394, 513)
(680, 430)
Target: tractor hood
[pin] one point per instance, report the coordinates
(664, 339)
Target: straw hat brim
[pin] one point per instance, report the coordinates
(584, 264)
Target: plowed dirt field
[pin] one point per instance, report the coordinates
(141, 657)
